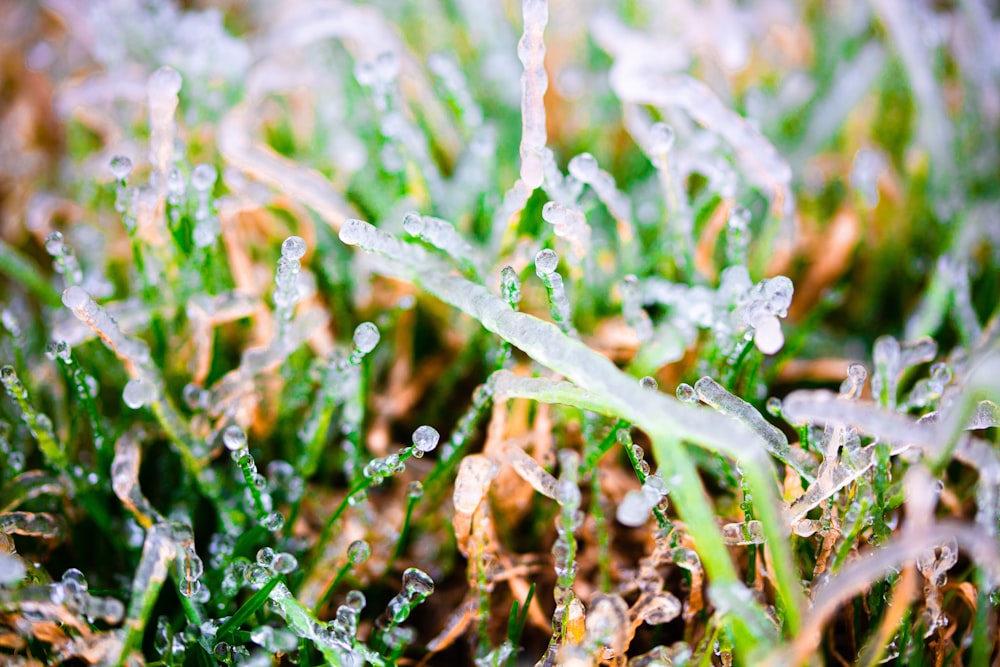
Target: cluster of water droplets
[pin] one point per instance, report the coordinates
(64, 259)
(72, 593)
(425, 439)
(286, 291)
(546, 262)
(571, 224)
(258, 495)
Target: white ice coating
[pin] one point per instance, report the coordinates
(534, 82)
(132, 350)
(473, 479)
(531, 471)
(426, 438)
(125, 479)
(506, 385)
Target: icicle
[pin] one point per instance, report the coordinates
(534, 82)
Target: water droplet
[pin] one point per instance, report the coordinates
(546, 261)
(121, 167)
(234, 438)
(165, 81)
(634, 509)
(417, 583)
(359, 551)
(686, 393)
(415, 490)
(294, 247)
(426, 438)
(75, 298)
(583, 167)
(138, 393)
(511, 285)
(649, 382)
(54, 243)
(203, 177)
(413, 223)
(774, 406)
(273, 521)
(284, 563)
(366, 337)
(661, 138)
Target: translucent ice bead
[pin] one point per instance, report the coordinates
(546, 261)
(294, 247)
(425, 438)
(366, 337)
(138, 393)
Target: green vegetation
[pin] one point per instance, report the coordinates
(323, 343)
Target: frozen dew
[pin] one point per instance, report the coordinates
(121, 167)
(234, 438)
(510, 286)
(583, 167)
(773, 406)
(284, 563)
(138, 393)
(366, 337)
(649, 382)
(417, 584)
(358, 552)
(203, 177)
(767, 335)
(634, 509)
(12, 569)
(294, 247)
(686, 393)
(661, 138)
(165, 81)
(75, 298)
(415, 490)
(546, 262)
(54, 243)
(852, 387)
(273, 521)
(426, 438)
(413, 223)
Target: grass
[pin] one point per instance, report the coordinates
(323, 343)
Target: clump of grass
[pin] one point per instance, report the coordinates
(307, 364)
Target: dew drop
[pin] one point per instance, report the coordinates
(203, 177)
(137, 393)
(273, 521)
(294, 247)
(774, 406)
(426, 438)
(121, 167)
(359, 551)
(366, 337)
(686, 393)
(234, 438)
(413, 223)
(417, 583)
(649, 382)
(583, 167)
(54, 243)
(284, 563)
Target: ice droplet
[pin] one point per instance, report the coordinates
(234, 438)
(284, 563)
(137, 393)
(426, 438)
(767, 335)
(649, 382)
(546, 261)
(121, 167)
(75, 297)
(166, 81)
(273, 521)
(294, 247)
(366, 337)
